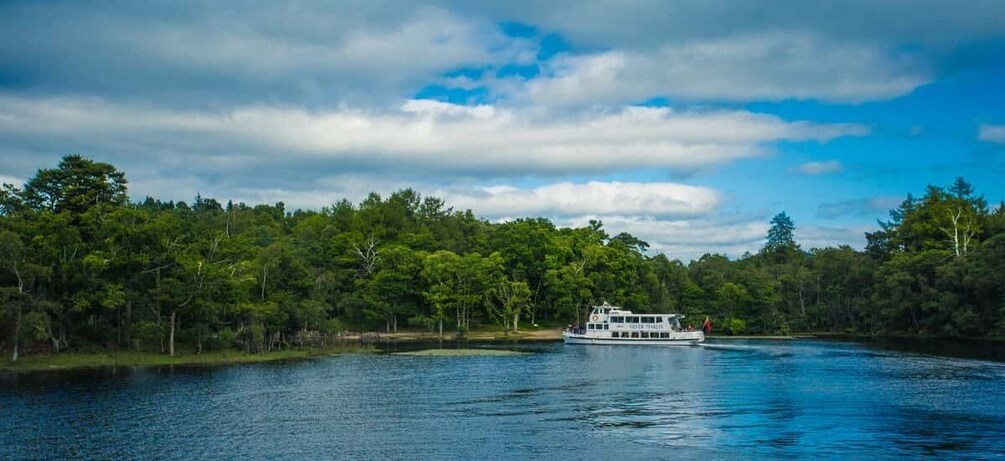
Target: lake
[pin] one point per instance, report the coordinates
(748, 399)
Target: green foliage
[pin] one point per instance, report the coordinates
(75, 186)
(780, 236)
(735, 326)
(80, 267)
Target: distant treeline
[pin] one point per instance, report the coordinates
(82, 267)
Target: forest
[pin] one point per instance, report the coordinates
(83, 267)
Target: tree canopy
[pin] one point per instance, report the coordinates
(81, 266)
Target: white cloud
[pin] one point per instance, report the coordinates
(772, 66)
(219, 55)
(688, 239)
(992, 133)
(559, 200)
(427, 135)
(17, 182)
(822, 237)
(685, 239)
(594, 197)
(819, 168)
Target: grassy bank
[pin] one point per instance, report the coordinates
(541, 334)
(73, 360)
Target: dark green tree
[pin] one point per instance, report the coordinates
(780, 235)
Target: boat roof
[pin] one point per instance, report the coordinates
(615, 310)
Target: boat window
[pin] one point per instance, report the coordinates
(607, 327)
(635, 334)
(664, 335)
(645, 334)
(615, 319)
(614, 334)
(632, 319)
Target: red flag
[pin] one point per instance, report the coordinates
(707, 326)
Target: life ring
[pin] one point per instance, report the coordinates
(596, 317)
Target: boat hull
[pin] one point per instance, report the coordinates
(688, 340)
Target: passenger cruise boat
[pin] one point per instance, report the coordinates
(613, 325)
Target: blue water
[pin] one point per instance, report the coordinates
(747, 399)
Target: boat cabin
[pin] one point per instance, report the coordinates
(630, 325)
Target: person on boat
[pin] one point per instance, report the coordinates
(707, 326)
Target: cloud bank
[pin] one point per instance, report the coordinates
(426, 135)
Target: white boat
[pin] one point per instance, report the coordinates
(610, 325)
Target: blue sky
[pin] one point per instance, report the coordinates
(686, 123)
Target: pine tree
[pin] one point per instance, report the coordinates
(780, 235)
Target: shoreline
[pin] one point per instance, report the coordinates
(357, 343)
(112, 359)
(371, 342)
(543, 334)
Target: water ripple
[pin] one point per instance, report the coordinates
(748, 399)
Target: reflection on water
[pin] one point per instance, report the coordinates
(743, 399)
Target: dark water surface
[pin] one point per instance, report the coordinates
(736, 399)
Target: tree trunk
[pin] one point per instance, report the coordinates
(171, 337)
(516, 322)
(802, 301)
(128, 333)
(17, 334)
(533, 307)
(17, 322)
(265, 276)
(441, 328)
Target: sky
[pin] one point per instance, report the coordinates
(688, 124)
